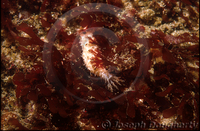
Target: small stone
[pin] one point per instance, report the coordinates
(147, 14)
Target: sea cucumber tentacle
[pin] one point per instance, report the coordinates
(110, 79)
(112, 82)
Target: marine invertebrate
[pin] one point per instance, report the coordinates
(92, 58)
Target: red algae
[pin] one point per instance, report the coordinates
(152, 72)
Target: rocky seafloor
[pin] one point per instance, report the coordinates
(45, 84)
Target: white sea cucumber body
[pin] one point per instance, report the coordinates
(90, 52)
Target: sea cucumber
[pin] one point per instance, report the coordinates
(93, 60)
